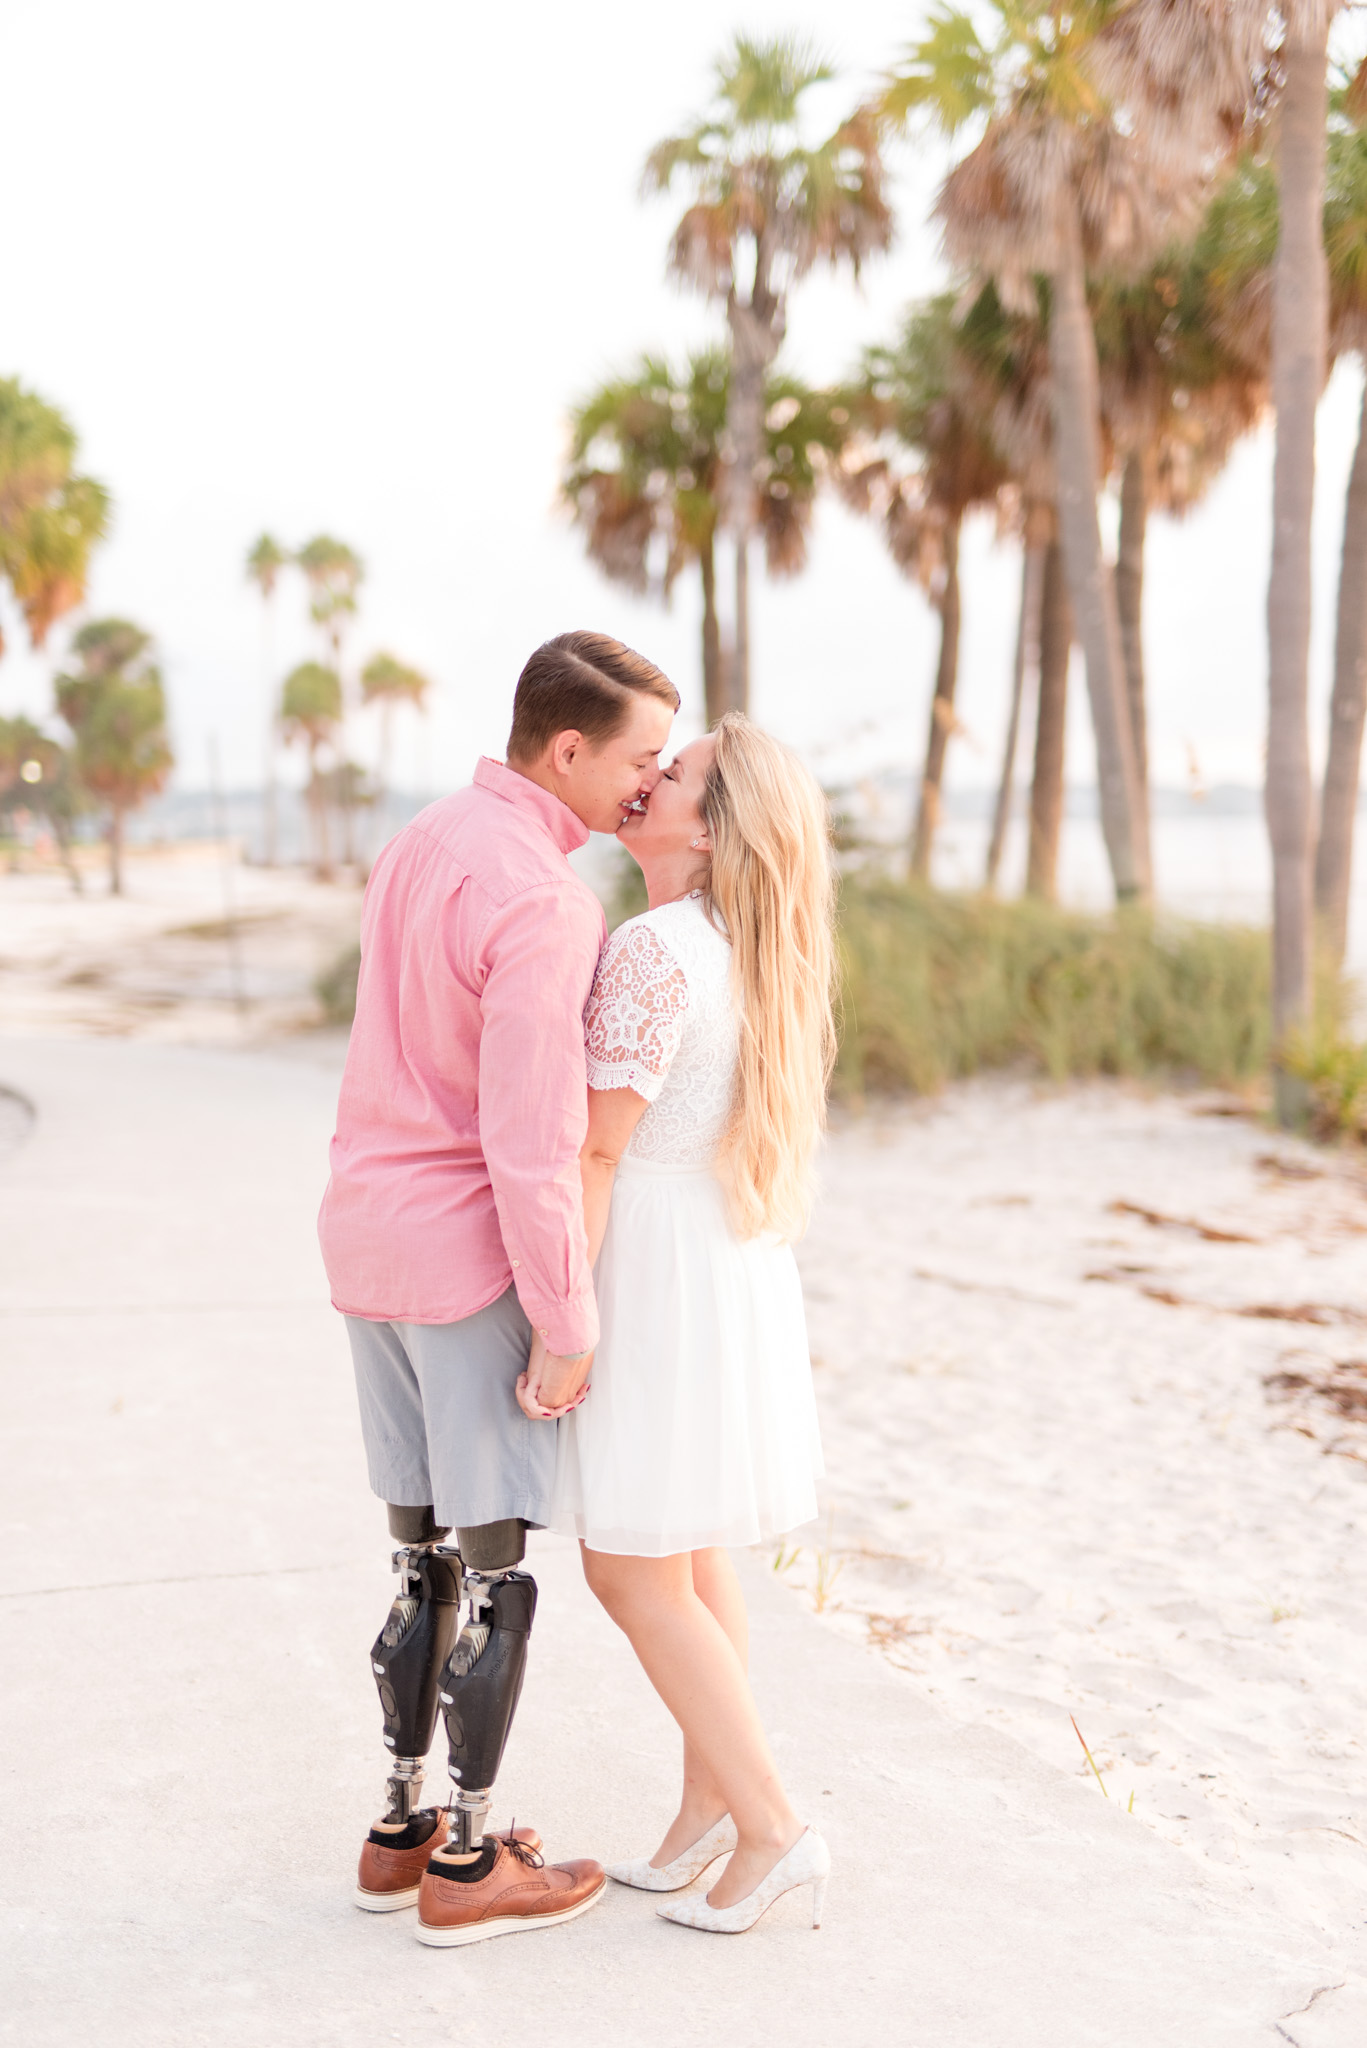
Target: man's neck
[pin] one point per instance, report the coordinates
(538, 772)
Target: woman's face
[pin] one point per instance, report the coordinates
(671, 817)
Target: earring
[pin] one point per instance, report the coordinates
(695, 844)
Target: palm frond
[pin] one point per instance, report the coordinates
(948, 76)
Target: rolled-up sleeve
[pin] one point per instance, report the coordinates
(539, 952)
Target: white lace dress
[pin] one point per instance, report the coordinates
(700, 1427)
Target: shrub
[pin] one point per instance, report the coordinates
(937, 986)
(335, 987)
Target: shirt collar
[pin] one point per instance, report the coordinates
(559, 820)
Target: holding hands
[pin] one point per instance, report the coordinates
(552, 1386)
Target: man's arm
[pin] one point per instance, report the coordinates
(539, 953)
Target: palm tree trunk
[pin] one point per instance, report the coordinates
(1129, 604)
(738, 668)
(756, 332)
(1051, 728)
(941, 711)
(1347, 710)
(1072, 352)
(116, 850)
(714, 702)
(61, 832)
(1027, 662)
(1299, 308)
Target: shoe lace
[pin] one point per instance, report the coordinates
(523, 1851)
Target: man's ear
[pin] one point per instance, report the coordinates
(563, 749)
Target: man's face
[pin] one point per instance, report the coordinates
(600, 783)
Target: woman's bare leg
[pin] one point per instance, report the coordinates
(702, 1802)
(692, 1663)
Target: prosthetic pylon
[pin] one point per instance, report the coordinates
(407, 1657)
(479, 1691)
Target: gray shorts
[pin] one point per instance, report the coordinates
(440, 1418)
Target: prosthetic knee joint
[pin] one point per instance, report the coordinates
(477, 1678)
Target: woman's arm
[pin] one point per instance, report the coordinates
(613, 1115)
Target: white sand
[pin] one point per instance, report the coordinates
(199, 950)
(1051, 1496)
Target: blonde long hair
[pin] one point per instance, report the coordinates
(772, 887)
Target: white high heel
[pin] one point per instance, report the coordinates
(719, 1840)
(807, 1862)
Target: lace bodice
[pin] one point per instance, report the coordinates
(661, 1019)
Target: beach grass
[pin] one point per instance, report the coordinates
(937, 985)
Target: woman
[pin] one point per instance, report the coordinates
(709, 1047)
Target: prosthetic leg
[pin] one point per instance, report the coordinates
(466, 1885)
(482, 1679)
(407, 1655)
(418, 1659)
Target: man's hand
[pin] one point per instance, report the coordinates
(552, 1386)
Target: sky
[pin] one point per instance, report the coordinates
(340, 267)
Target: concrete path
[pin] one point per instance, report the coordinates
(194, 1568)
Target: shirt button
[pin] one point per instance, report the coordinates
(545, 1333)
(517, 1262)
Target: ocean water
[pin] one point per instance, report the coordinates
(1211, 863)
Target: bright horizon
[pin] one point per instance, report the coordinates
(313, 273)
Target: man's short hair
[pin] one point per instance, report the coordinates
(581, 682)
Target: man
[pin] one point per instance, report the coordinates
(452, 1229)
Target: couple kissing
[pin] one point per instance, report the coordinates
(566, 1175)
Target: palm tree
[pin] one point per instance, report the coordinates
(1345, 237)
(1047, 788)
(644, 478)
(1004, 358)
(36, 775)
(1175, 398)
(265, 559)
(1097, 123)
(334, 573)
(311, 711)
(115, 706)
(918, 394)
(765, 210)
(387, 682)
(1300, 363)
(50, 517)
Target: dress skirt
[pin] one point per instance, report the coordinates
(700, 1427)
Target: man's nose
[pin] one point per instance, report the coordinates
(651, 777)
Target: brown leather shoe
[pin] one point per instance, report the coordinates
(392, 1863)
(507, 1891)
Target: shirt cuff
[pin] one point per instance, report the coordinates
(566, 1326)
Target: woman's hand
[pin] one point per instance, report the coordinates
(552, 1386)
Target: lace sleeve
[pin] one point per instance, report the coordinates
(635, 1013)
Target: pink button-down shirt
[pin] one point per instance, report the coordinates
(455, 1165)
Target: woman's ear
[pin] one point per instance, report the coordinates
(702, 844)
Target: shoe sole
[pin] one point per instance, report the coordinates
(485, 1930)
(384, 1902)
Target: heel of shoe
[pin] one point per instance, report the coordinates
(818, 1900)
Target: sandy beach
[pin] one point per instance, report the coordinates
(1092, 1369)
(201, 950)
(1068, 1349)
